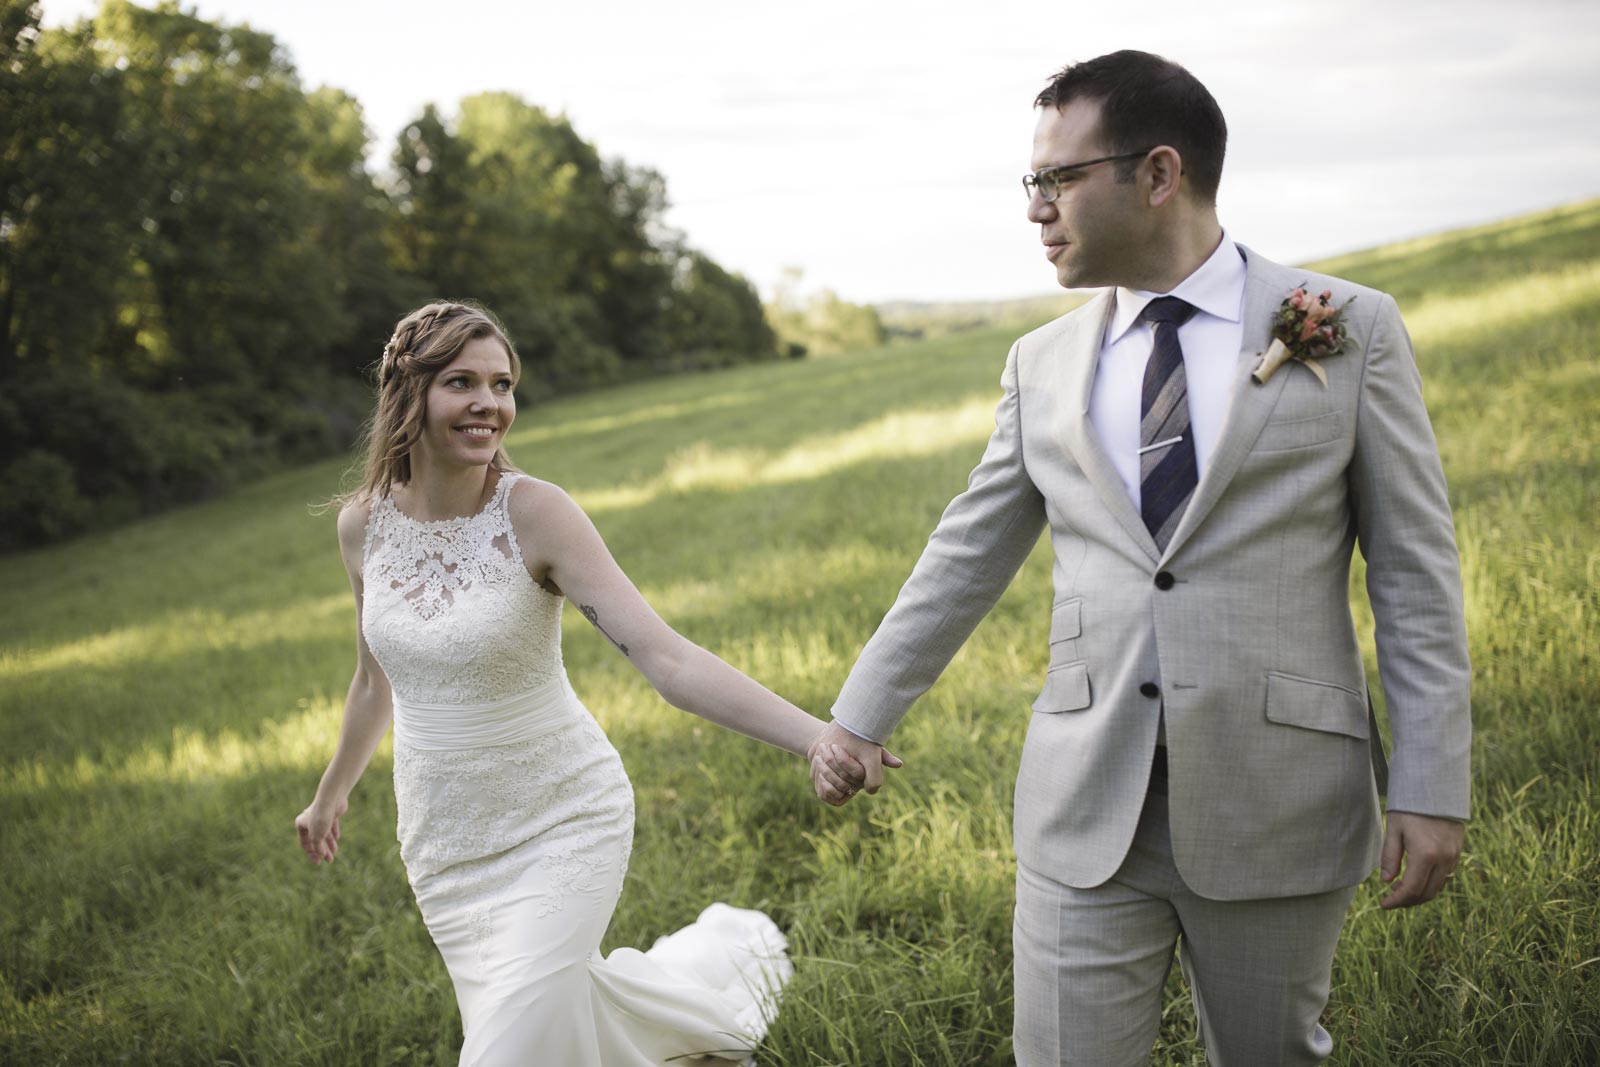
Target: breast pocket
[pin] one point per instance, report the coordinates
(1066, 623)
(1292, 434)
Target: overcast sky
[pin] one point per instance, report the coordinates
(878, 145)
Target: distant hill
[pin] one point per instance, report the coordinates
(911, 320)
(1446, 261)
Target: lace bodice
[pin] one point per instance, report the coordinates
(449, 608)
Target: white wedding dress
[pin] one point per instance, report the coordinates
(516, 820)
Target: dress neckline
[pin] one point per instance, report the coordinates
(455, 520)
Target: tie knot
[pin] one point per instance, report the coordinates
(1171, 309)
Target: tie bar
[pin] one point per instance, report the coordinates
(1160, 444)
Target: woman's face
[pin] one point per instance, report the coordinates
(470, 406)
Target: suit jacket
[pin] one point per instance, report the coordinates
(1243, 625)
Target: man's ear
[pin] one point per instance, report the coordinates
(1165, 169)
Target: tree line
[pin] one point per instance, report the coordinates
(198, 266)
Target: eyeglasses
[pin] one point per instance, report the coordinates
(1046, 181)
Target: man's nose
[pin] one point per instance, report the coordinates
(1039, 210)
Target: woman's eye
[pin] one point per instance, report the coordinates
(503, 386)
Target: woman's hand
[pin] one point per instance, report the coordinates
(318, 827)
(843, 764)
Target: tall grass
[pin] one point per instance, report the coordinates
(169, 692)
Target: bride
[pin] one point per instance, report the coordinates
(515, 814)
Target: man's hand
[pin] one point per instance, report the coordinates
(1430, 848)
(842, 764)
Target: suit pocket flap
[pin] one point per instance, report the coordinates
(1066, 688)
(1066, 620)
(1316, 705)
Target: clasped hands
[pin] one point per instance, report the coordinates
(843, 764)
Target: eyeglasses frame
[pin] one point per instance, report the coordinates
(1030, 182)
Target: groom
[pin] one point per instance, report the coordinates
(1201, 767)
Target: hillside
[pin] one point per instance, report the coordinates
(170, 690)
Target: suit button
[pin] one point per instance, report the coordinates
(1150, 689)
(1164, 581)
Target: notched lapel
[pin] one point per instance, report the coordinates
(1074, 362)
(1249, 404)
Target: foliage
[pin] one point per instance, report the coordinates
(822, 323)
(188, 232)
(170, 691)
(908, 320)
(715, 318)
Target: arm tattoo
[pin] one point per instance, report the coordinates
(594, 617)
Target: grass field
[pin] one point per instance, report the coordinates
(170, 691)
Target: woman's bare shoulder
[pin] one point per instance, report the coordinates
(534, 499)
(353, 516)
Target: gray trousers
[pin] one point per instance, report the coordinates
(1091, 963)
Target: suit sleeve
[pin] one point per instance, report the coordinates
(1406, 534)
(980, 542)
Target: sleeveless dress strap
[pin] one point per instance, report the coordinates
(502, 491)
(502, 509)
(371, 528)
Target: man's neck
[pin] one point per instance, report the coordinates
(1180, 254)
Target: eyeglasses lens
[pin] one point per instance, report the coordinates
(1043, 183)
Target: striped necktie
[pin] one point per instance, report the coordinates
(1168, 471)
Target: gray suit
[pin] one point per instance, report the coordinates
(1240, 633)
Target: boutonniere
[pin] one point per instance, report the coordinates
(1306, 328)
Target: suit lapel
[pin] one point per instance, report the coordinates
(1249, 404)
(1078, 355)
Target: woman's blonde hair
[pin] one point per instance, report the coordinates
(425, 342)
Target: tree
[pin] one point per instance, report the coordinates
(510, 206)
(715, 318)
(69, 176)
(350, 230)
(193, 249)
(822, 323)
(236, 282)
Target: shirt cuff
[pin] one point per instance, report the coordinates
(857, 733)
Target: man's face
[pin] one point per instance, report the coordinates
(1092, 231)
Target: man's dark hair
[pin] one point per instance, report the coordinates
(1145, 101)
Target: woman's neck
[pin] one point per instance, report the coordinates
(435, 493)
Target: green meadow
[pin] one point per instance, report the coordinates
(170, 691)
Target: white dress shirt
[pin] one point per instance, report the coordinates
(1210, 341)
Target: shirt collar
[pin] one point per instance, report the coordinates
(1216, 287)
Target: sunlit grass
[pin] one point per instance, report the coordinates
(1496, 307)
(170, 691)
(179, 635)
(298, 741)
(523, 436)
(896, 435)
